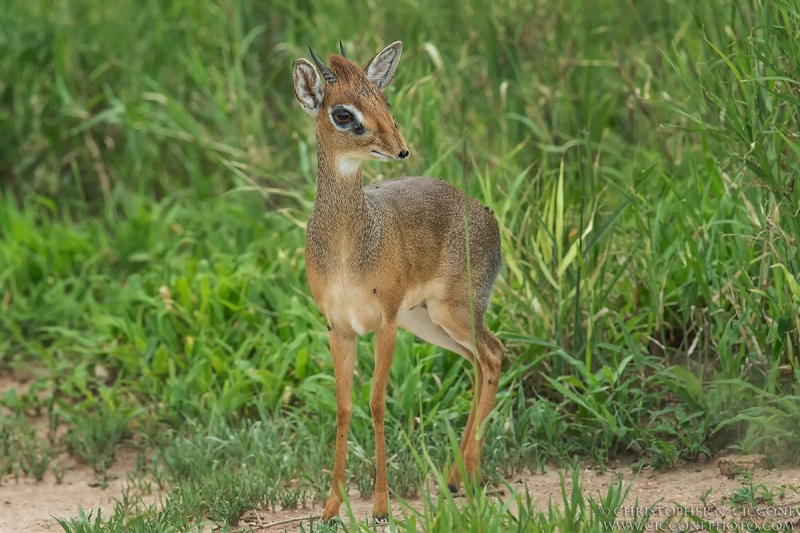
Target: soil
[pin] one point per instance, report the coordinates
(30, 506)
(684, 485)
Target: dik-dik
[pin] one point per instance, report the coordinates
(390, 254)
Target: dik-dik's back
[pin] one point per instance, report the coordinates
(391, 254)
(427, 219)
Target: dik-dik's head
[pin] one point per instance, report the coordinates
(351, 111)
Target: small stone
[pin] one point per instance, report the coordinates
(736, 464)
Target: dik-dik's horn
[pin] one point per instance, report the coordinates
(329, 76)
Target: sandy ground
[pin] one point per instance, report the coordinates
(30, 506)
(682, 486)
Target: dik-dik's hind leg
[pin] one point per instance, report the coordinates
(343, 353)
(488, 358)
(469, 429)
(418, 321)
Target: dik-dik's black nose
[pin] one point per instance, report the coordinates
(403, 154)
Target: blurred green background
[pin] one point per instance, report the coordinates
(641, 157)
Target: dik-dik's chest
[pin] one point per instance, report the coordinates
(342, 274)
(349, 306)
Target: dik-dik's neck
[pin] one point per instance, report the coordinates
(341, 215)
(339, 192)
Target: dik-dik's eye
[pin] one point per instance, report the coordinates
(341, 116)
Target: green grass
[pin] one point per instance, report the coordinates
(156, 175)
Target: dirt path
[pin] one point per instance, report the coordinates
(30, 506)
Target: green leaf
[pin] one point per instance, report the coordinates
(794, 287)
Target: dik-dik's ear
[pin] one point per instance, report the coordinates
(307, 86)
(380, 69)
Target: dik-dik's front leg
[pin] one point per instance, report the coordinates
(384, 353)
(343, 353)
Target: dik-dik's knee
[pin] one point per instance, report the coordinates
(344, 410)
(377, 407)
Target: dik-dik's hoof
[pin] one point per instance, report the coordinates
(454, 488)
(331, 521)
(331, 513)
(381, 520)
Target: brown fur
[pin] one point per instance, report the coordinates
(393, 254)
